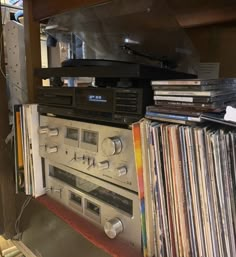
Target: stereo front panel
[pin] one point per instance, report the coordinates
(113, 209)
(101, 151)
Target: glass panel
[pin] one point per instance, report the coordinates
(118, 201)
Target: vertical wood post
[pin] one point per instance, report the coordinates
(7, 185)
(32, 49)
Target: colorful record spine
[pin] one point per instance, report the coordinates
(139, 169)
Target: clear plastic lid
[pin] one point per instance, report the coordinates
(141, 31)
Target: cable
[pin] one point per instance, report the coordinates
(17, 222)
(18, 235)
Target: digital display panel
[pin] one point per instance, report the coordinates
(90, 137)
(97, 98)
(107, 196)
(72, 133)
(94, 99)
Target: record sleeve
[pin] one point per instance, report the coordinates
(169, 120)
(160, 192)
(217, 118)
(148, 187)
(192, 164)
(233, 170)
(175, 182)
(18, 149)
(178, 198)
(187, 191)
(160, 240)
(181, 191)
(220, 191)
(230, 183)
(139, 170)
(169, 191)
(202, 198)
(174, 117)
(226, 195)
(177, 110)
(213, 203)
(205, 188)
(233, 140)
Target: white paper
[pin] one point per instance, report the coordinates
(209, 70)
(230, 114)
(32, 160)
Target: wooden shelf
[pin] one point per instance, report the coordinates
(43, 9)
(188, 13)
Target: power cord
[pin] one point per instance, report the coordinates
(19, 234)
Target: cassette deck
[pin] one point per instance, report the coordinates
(112, 208)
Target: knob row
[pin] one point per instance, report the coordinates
(110, 145)
(49, 132)
(121, 171)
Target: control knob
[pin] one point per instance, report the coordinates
(121, 171)
(53, 132)
(103, 165)
(52, 149)
(111, 146)
(113, 228)
(43, 130)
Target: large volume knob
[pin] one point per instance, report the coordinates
(113, 228)
(53, 132)
(43, 130)
(111, 146)
(52, 149)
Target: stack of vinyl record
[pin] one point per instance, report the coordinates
(188, 179)
(185, 100)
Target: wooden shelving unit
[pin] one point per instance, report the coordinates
(189, 14)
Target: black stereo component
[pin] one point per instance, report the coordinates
(113, 105)
(63, 97)
(117, 105)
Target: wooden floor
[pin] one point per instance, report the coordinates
(47, 235)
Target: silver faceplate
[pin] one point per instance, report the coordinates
(61, 192)
(86, 151)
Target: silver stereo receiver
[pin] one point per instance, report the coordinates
(101, 151)
(114, 209)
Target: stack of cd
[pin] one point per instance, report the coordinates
(185, 100)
